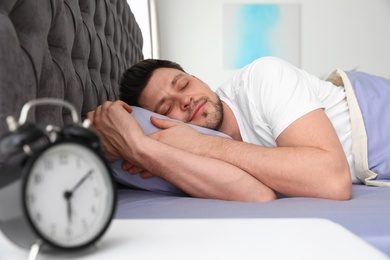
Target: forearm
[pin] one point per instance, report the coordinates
(293, 171)
(200, 176)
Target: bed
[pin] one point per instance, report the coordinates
(76, 50)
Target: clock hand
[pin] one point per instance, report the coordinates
(67, 196)
(81, 181)
(69, 193)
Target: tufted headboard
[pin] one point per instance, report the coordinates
(69, 49)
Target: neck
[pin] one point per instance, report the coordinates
(229, 125)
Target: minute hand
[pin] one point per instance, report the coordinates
(81, 181)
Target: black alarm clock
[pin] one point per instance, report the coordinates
(56, 188)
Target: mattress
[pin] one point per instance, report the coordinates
(367, 214)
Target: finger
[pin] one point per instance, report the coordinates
(90, 115)
(126, 106)
(126, 165)
(146, 175)
(135, 169)
(94, 115)
(106, 104)
(163, 123)
(131, 168)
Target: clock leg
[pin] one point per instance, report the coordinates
(34, 250)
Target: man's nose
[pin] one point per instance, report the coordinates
(185, 101)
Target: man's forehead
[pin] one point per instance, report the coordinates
(161, 78)
(164, 77)
(166, 72)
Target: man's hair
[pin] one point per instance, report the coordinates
(135, 79)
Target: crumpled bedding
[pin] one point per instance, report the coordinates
(367, 97)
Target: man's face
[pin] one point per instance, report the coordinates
(180, 96)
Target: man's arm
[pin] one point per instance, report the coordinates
(200, 176)
(197, 175)
(309, 160)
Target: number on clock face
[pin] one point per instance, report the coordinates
(68, 195)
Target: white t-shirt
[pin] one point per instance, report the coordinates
(269, 94)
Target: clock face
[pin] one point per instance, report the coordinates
(69, 195)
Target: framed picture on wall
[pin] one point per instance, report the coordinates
(251, 31)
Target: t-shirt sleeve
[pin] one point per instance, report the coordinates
(281, 92)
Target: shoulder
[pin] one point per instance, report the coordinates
(268, 74)
(263, 75)
(268, 60)
(271, 66)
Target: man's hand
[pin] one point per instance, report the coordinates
(116, 127)
(175, 134)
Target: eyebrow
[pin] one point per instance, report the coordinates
(176, 78)
(173, 83)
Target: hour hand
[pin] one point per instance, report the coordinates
(67, 196)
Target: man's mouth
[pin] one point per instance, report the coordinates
(198, 110)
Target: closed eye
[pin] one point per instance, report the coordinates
(185, 85)
(167, 111)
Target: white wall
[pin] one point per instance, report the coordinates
(140, 9)
(344, 34)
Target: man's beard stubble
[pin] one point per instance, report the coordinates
(214, 118)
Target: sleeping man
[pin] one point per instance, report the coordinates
(291, 133)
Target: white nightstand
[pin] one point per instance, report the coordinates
(201, 239)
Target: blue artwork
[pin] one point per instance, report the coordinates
(252, 31)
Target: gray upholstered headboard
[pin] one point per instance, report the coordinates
(69, 49)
